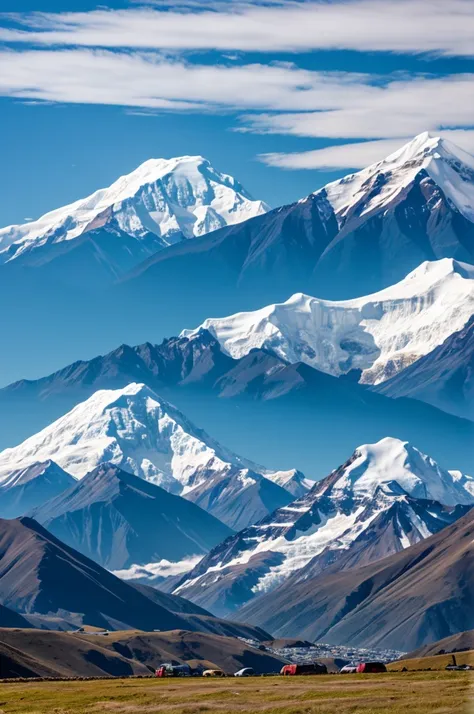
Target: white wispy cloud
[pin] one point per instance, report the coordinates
(150, 80)
(163, 569)
(283, 98)
(393, 108)
(355, 155)
(409, 26)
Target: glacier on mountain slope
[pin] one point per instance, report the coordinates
(135, 429)
(379, 334)
(172, 199)
(339, 510)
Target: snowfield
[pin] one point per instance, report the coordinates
(379, 334)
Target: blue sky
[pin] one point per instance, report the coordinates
(285, 95)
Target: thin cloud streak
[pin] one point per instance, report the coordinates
(395, 108)
(355, 155)
(403, 26)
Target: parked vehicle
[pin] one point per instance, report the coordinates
(371, 667)
(245, 672)
(303, 669)
(348, 669)
(173, 670)
(213, 673)
(454, 666)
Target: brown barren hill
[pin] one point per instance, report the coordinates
(460, 642)
(435, 662)
(43, 653)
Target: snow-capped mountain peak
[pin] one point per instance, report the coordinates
(137, 430)
(392, 461)
(130, 427)
(450, 167)
(379, 334)
(160, 202)
(384, 498)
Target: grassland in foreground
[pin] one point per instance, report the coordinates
(394, 693)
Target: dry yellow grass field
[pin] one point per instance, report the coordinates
(392, 693)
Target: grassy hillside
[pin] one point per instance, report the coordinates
(437, 662)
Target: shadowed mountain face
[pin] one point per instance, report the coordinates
(119, 520)
(32, 486)
(10, 618)
(444, 377)
(404, 601)
(39, 574)
(246, 404)
(55, 587)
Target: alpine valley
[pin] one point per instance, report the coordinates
(243, 422)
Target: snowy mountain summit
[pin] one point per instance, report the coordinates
(384, 498)
(379, 334)
(135, 429)
(161, 202)
(379, 185)
(395, 464)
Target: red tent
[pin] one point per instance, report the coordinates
(371, 667)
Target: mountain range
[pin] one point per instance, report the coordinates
(378, 335)
(296, 334)
(384, 498)
(160, 203)
(354, 237)
(365, 231)
(245, 404)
